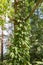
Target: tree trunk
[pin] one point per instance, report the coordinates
(2, 46)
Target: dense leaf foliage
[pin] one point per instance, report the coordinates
(27, 40)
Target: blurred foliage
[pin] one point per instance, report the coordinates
(36, 38)
(27, 41)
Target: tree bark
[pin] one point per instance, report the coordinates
(2, 46)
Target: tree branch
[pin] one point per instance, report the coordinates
(29, 15)
(35, 7)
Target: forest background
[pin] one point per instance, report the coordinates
(25, 39)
